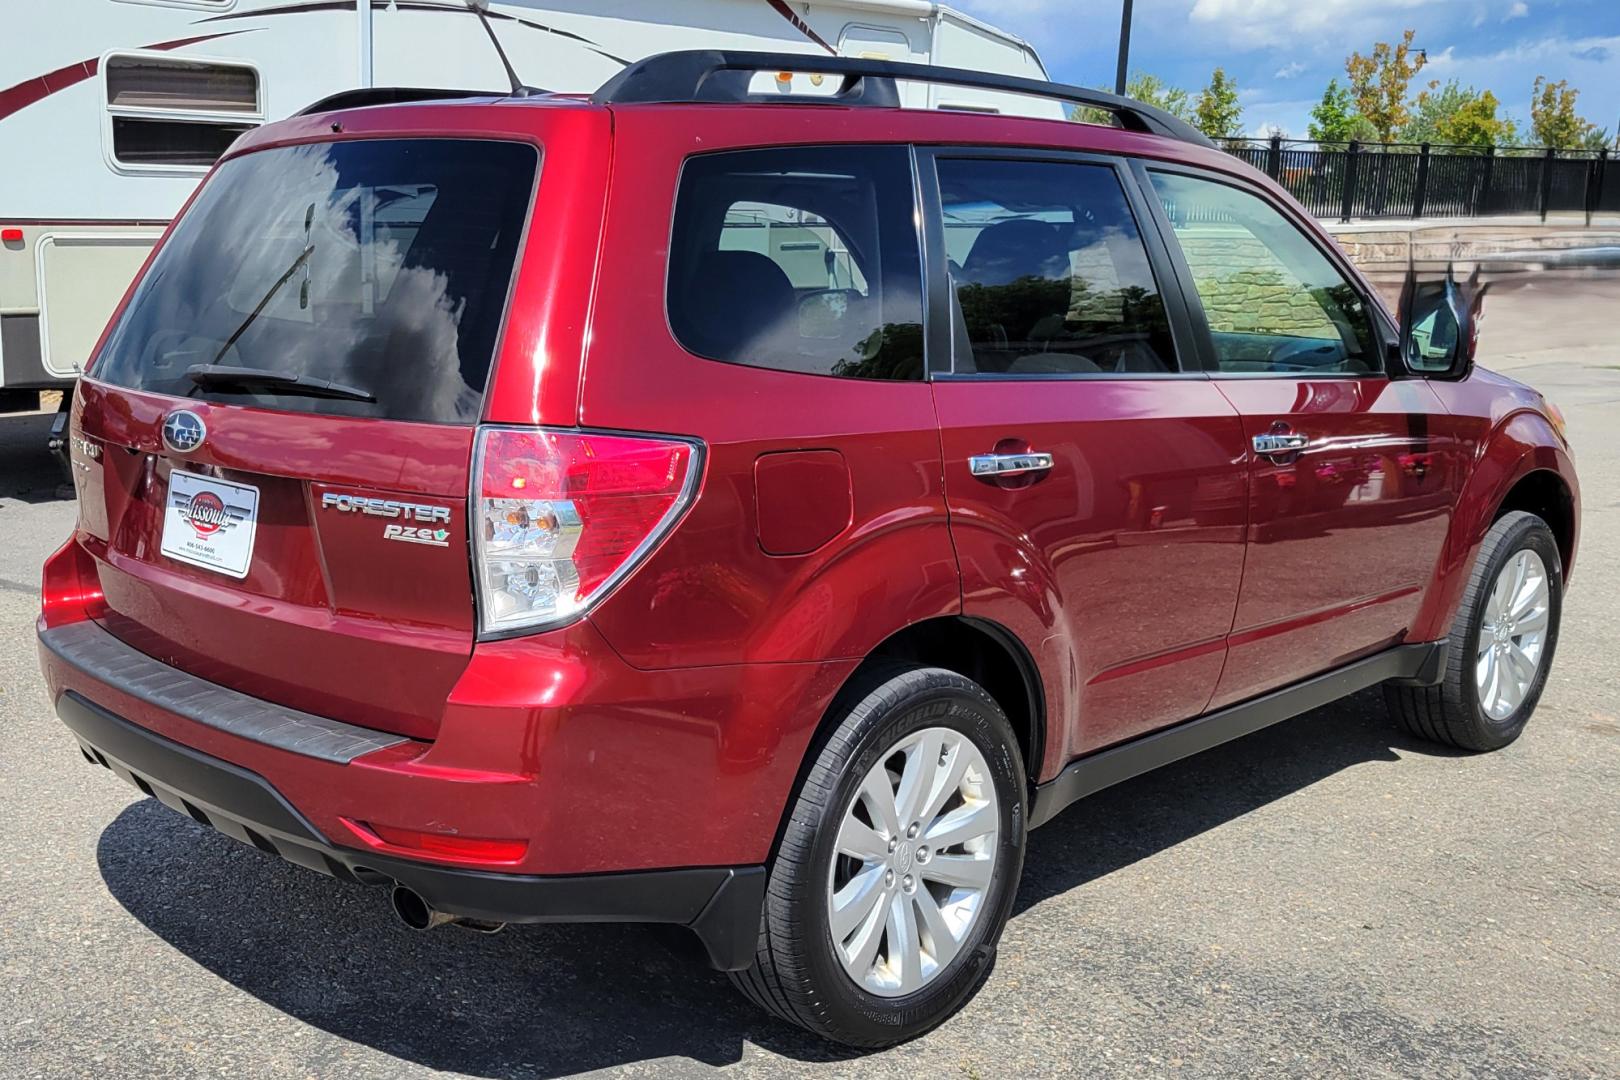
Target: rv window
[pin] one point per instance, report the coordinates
(167, 112)
(172, 142)
(148, 82)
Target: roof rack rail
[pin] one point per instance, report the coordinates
(715, 75)
(390, 95)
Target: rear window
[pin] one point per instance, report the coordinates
(381, 266)
(802, 259)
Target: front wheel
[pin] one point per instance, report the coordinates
(1501, 645)
(898, 865)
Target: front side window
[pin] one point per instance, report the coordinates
(1048, 272)
(1274, 302)
(800, 259)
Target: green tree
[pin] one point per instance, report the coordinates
(1435, 107)
(1475, 123)
(1218, 113)
(1149, 90)
(1552, 115)
(1335, 120)
(1152, 90)
(1598, 139)
(1379, 83)
(1458, 116)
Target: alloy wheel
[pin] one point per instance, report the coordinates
(914, 862)
(1513, 635)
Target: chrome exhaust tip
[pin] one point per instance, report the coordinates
(418, 914)
(414, 911)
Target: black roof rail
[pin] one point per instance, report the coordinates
(390, 95)
(714, 75)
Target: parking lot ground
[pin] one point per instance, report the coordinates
(1325, 898)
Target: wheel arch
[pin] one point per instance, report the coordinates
(1524, 465)
(978, 649)
(1546, 494)
(991, 656)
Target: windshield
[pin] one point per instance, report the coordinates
(381, 266)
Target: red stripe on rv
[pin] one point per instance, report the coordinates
(799, 24)
(27, 92)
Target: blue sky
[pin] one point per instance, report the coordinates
(1283, 52)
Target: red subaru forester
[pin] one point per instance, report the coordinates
(755, 513)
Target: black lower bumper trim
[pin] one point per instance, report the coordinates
(720, 904)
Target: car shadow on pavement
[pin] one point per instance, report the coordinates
(28, 472)
(546, 1001)
(1137, 819)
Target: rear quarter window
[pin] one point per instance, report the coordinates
(802, 259)
(382, 265)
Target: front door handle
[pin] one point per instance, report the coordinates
(1009, 464)
(1280, 442)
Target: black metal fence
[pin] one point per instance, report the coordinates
(1401, 180)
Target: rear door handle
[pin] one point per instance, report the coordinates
(1009, 464)
(1277, 442)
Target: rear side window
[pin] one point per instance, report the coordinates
(800, 259)
(383, 266)
(1049, 275)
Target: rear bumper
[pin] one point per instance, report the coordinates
(598, 767)
(642, 796)
(720, 904)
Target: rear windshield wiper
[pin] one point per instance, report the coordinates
(225, 376)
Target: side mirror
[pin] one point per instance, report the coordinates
(1440, 325)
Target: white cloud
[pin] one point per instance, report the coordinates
(1590, 49)
(1290, 70)
(1283, 22)
(1518, 11)
(1442, 59)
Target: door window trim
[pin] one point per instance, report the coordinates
(1383, 330)
(940, 358)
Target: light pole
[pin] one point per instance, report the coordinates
(1124, 48)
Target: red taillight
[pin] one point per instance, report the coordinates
(11, 236)
(70, 590)
(465, 848)
(562, 516)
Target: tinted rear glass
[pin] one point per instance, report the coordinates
(802, 259)
(381, 265)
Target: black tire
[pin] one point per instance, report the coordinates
(796, 974)
(1450, 713)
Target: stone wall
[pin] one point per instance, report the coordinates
(1245, 289)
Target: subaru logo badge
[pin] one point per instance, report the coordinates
(183, 431)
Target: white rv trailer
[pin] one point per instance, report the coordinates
(111, 110)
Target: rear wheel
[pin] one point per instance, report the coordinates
(1501, 645)
(899, 863)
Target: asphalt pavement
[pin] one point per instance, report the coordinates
(1326, 898)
